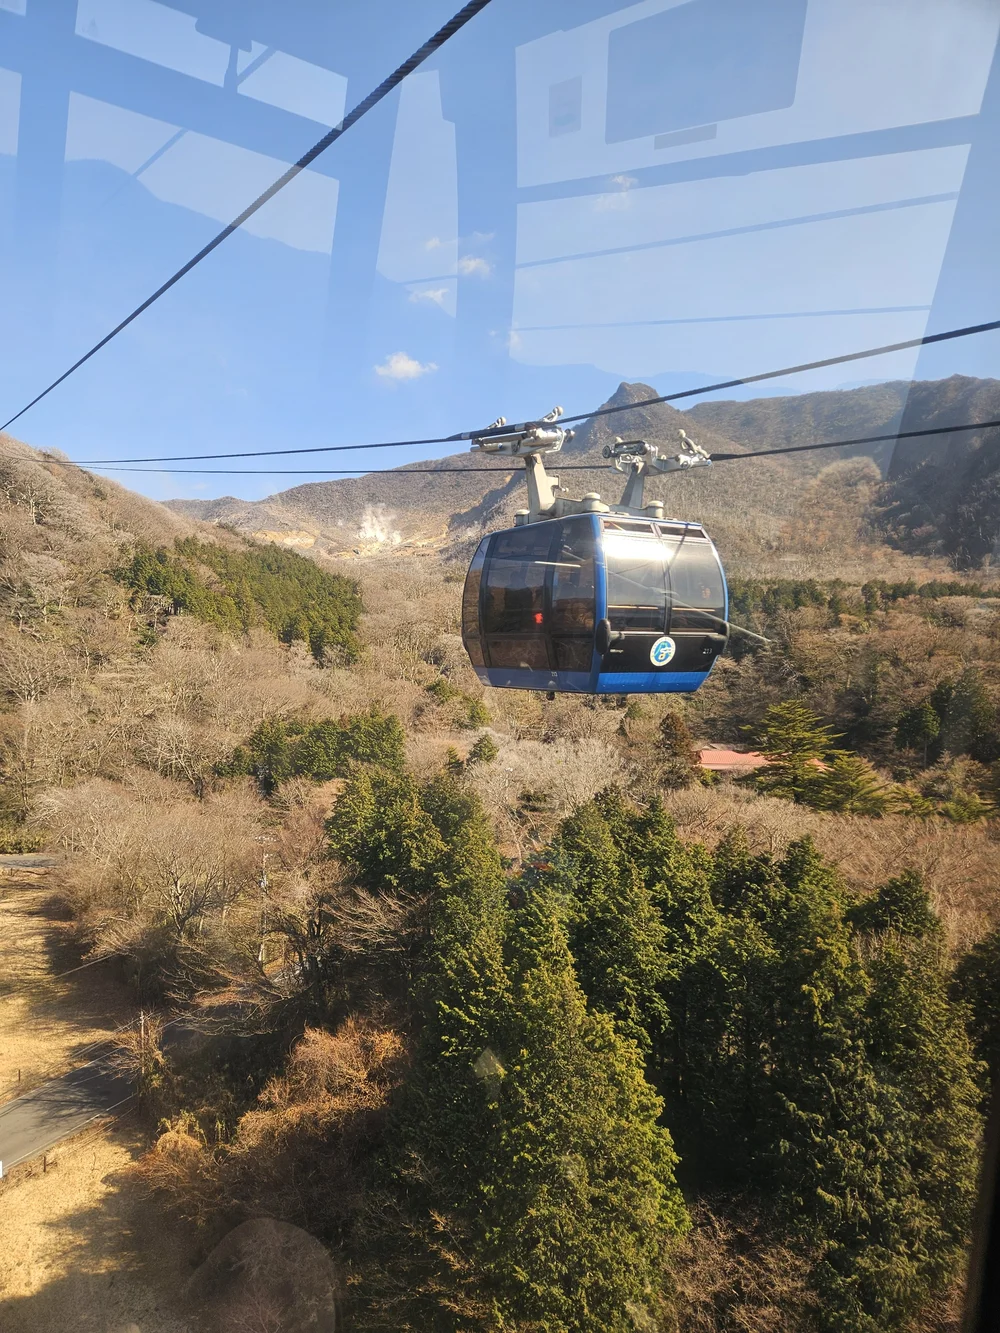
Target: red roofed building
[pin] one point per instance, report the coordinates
(735, 763)
(739, 763)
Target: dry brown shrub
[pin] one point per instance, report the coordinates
(409, 607)
(559, 776)
(831, 515)
(299, 842)
(149, 869)
(375, 927)
(301, 1156)
(734, 1275)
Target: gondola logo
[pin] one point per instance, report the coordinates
(662, 651)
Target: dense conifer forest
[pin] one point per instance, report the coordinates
(238, 589)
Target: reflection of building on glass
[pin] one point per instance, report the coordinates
(700, 63)
(748, 183)
(203, 103)
(565, 105)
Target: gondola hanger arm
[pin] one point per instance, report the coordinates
(642, 459)
(533, 440)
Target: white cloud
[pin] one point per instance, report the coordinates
(477, 238)
(436, 295)
(399, 366)
(619, 199)
(472, 265)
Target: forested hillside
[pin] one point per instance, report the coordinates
(944, 495)
(534, 1024)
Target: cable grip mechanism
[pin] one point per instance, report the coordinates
(641, 455)
(527, 437)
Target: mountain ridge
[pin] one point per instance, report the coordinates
(941, 497)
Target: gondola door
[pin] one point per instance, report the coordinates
(513, 599)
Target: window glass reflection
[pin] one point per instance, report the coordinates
(637, 594)
(697, 593)
(573, 582)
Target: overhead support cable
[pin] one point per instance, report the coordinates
(484, 434)
(404, 472)
(459, 20)
(272, 453)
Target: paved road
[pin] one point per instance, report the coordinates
(60, 1107)
(53, 1111)
(27, 861)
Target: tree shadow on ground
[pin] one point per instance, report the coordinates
(89, 1249)
(51, 1005)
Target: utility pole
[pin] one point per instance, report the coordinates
(263, 908)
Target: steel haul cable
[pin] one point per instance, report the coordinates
(404, 472)
(925, 341)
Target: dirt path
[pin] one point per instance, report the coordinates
(48, 1023)
(84, 1249)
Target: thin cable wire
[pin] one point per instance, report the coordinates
(486, 433)
(324, 472)
(467, 12)
(562, 467)
(278, 453)
(862, 439)
(793, 370)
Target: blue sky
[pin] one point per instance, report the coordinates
(568, 195)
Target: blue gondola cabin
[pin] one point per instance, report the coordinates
(596, 604)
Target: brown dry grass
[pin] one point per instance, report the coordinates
(302, 1153)
(47, 1025)
(84, 1248)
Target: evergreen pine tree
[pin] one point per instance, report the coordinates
(616, 935)
(721, 1004)
(977, 984)
(899, 905)
(535, 1184)
(677, 877)
(581, 1196)
(919, 729)
(843, 1091)
(908, 1241)
(970, 719)
(678, 762)
(462, 993)
(381, 832)
(793, 738)
(484, 751)
(848, 785)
